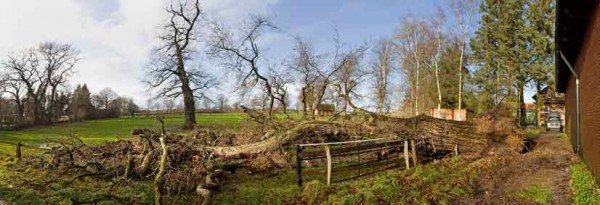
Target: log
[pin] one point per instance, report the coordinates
(413, 148)
(328, 154)
(159, 180)
(406, 159)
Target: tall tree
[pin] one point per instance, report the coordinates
(40, 71)
(411, 46)
(171, 71)
(242, 53)
(132, 108)
(58, 61)
(463, 9)
(307, 65)
(437, 34)
(221, 102)
(280, 80)
(81, 104)
(103, 99)
(350, 75)
(542, 44)
(514, 45)
(384, 52)
(15, 89)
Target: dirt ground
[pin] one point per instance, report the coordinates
(545, 166)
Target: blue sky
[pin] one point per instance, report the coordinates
(357, 21)
(116, 36)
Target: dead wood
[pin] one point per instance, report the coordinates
(198, 158)
(159, 180)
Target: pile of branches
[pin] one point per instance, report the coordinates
(196, 163)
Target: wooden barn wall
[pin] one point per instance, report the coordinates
(588, 68)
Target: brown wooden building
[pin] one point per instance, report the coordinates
(325, 110)
(552, 101)
(578, 75)
(451, 114)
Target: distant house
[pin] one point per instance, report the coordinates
(552, 102)
(531, 117)
(325, 110)
(451, 114)
(577, 74)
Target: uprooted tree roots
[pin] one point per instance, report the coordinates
(196, 163)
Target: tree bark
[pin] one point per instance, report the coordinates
(159, 181)
(522, 107)
(188, 94)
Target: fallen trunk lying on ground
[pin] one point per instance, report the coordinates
(195, 163)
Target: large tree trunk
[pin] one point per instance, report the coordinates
(460, 77)
(188, 95)
(190, 108)
(303, 101)
(539, 103)
(53, 109)
(522, 108)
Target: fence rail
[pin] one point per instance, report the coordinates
(19, 146)
(377, 155)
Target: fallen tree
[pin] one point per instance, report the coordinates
(195, 163)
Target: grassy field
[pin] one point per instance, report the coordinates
(98, 131)
(435, 183)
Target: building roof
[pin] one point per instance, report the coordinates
(572, 19)
(543, 91)
(530, 106)
(326, 107)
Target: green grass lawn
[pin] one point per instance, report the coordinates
(434, 183)
(98, 131)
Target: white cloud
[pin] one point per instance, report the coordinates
(114, 36)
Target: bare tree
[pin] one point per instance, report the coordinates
(36, 74)
(463, 9)
(242, 53)
(23, 69)
(411, 43)
(326, 76)
(168, 104)
(59, 60)
(103, 99)
(132, 108)
(350, 75)
(221, 102)
(436, 25)
(280, 80)
(171, 72)
(15, 89)
(307, 64)
(381, 69)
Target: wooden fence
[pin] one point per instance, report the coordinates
(19, 147)
(364, 156)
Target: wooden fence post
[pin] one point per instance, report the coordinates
(413, 147)
(455, 149)
(328, 154)
(299, 164)
(18, 151)
(406, 159)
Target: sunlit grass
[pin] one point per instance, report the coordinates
(99, 131)
(436, 183)
(583, 184)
